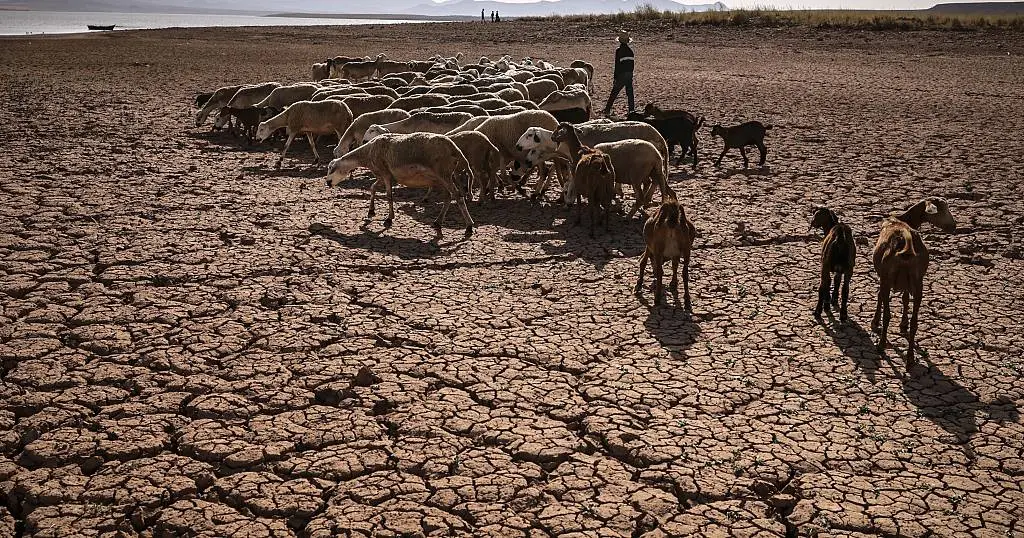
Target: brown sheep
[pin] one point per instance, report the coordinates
(669, 235)
(838, 255)
(901, 260)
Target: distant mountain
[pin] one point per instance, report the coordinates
(980, 8)
(418, 7)
(550, 7)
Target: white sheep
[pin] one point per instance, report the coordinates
(249, 96)
(363, 104)
(353, 136)
(309, 118)
(421, 122)
(539, 88)
(484, 159)
(413, 160)
(286, 95)
(412, 102)
(361, 70)
(216, 101)
(567, 99)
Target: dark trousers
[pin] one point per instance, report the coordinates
(616, 88)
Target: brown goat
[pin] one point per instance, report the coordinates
(901, 260)
(669, 235)
(593, 176)
(740, 136)
(838, 255)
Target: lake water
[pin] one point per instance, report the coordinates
(58, 22)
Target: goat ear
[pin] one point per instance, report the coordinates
(930, 208)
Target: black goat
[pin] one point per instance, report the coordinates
(739, 136)
(680, 130)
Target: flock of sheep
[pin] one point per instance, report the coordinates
(455, 128)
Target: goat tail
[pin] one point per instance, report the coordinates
(907, 251)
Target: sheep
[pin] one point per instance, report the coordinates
(750, 133)
(510, 94)
(364, 104)
(247, 118)
(321, 70)
(470, 125)
(410, 103)
(540, 88)
(483, 157)
(592, 133)
(580, 64)
(506, 110)
(353, 136)
(406, 76)
(248, 96)
(565, 99)
(504, 131)
(309, 118)
(413, 160)
(553, 77)
(479, 96)
(525, 103)
(838, 255)
(635, 162)
(338, 63)
(593, 177)
(379, 90)
(486, 104)
(901, 260)
(680, 130)
(328, 93)
(202, 98)
(411, 91)
(468, 109)
(219, 98)
(361, 70)
(284, 96)
(668, 235)
(575, 75)
(421, 122)
(521, 76)
(456, 90)
(387, 67)
(420, 67)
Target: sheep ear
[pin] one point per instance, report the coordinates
(930, 208)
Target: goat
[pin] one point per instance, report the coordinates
(838, 255)
(750, 133)
(680, 130)
(901, 259)
(668, 235)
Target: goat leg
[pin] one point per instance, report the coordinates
(905, 321)
(886, 316)
(764, 152)
(743, 152)
(911, 339)
(659, 272)
(875, 320)
(718, 163)
(686, 281)
(674, 283)
(640, 279)
(846, 296)
(373, 199)
(835, 289)
(822, 293)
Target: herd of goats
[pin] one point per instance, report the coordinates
(454, 127)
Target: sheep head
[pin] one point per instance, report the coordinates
(339, 168)
(373, 132)
(263, 131)
(222, 118)
(532, 138)
(936, 211)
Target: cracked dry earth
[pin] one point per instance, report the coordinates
(195, 344)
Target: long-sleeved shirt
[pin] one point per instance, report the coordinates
(623, 62)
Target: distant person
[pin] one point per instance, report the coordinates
(623, 73)
(482, 18)
(492, 16)
(497, 16)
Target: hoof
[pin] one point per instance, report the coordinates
(843, 317)
(637, 289)
(469, 231)
(277, 165)
(388, 222)
(880, 347)
(437, 226)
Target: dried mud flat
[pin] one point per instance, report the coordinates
(195, 344)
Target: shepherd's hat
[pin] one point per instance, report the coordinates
(624, 37)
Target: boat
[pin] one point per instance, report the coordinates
(101, 27)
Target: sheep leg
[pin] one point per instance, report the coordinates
(911, 338)
(391, 201)
(286, 146)
(846, 296)
(312, 145)
(763, 151)
(444, 211)
(640, 279)
(465, 216)
(743, 152)
(883, 294)
(373, 199)
(642, 197)
(905, 322)
(823, 293)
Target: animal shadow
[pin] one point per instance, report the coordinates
(951, 406)
(855, 343)
(764, 171)
(674, 328)
(406, 248)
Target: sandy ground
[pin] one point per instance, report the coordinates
(193, 343)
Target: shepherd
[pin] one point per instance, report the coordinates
(623, 73)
